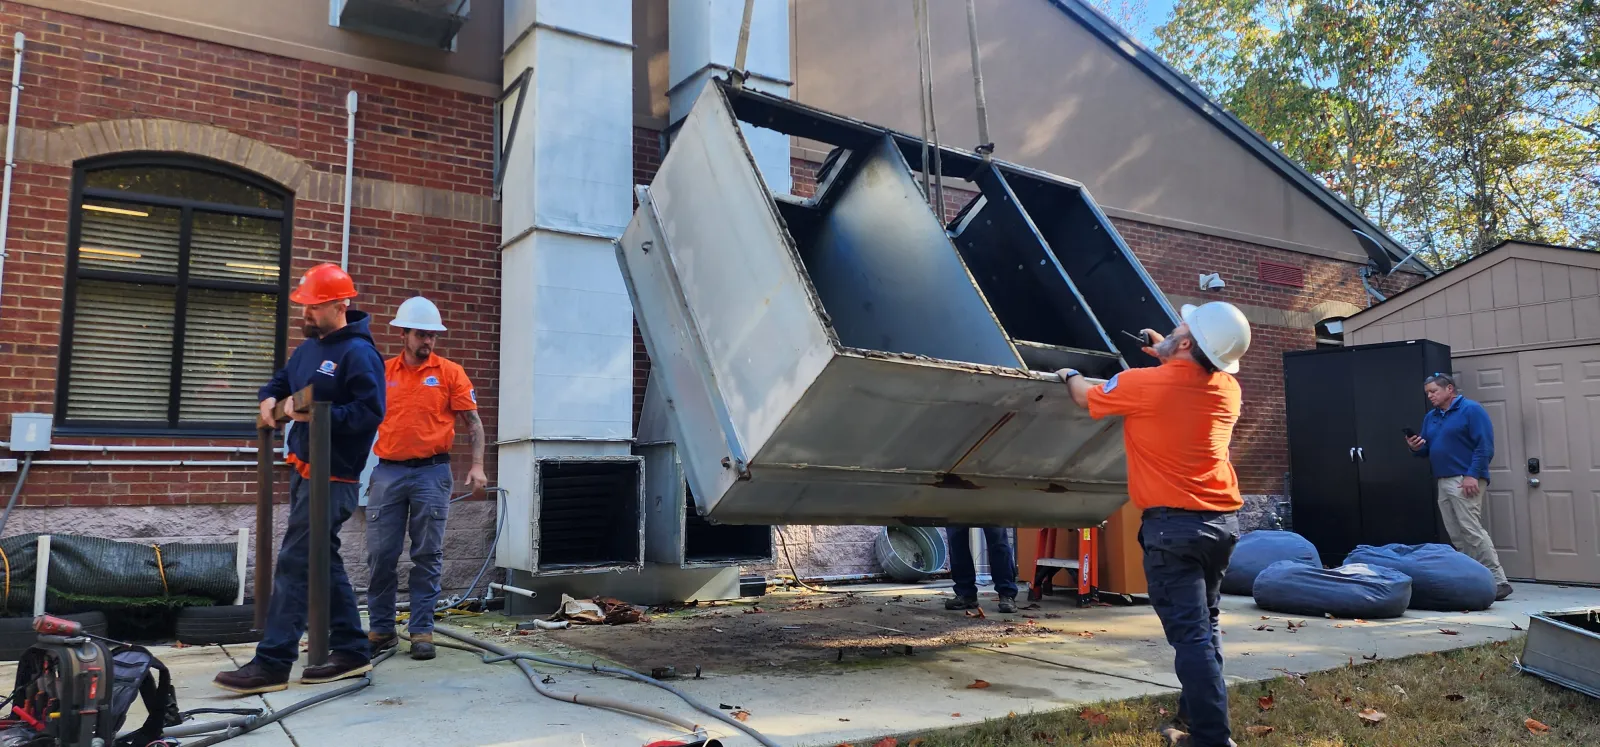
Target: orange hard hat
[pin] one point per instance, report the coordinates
(323, 283)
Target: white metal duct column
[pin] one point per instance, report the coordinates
(703, 41)
(574, 490)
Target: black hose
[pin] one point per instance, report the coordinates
(529, 672)
(230, 728)
(22, 478)
(502, 654)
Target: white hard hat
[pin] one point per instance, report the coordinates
(418, 313)
(1221, 331)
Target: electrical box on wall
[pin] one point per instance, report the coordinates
(30, 431)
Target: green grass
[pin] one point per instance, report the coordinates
(1470, 696)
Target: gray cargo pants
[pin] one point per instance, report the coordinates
(1462, 516)
(406, 498)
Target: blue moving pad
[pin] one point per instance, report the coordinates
(1259, 549)
(1369, 592)
(1442, 578)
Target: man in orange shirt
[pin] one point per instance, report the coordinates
(410, 487)
(1177, 421)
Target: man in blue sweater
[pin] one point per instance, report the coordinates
(1458, 440)
(340, 363)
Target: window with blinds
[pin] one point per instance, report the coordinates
(176, 304)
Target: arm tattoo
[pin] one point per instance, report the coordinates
(475, 435)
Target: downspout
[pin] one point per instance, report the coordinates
(349, 176)
(11, 155)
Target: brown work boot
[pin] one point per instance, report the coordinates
(961, 603)
(340, 666)
(1008, 604)
(381, 642)
(252, 679)
(422, 646)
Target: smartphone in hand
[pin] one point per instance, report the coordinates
(1409, 433)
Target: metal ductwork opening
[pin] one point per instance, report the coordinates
(589, 514)
(677, 535)
(428, 23)
(838, 361)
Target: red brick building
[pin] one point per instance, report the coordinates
(184, 160)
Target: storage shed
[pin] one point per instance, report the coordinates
(1523, 323)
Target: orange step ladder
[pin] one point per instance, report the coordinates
(1085, 566)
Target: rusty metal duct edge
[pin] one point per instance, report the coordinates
(795, 396)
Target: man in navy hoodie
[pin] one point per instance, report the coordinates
(339, 362)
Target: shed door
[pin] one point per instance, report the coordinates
(1561, 407)
(1494, 382)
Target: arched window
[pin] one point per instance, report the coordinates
(1330, 333)
(176, 296)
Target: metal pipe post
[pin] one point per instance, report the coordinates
(264, 531)
(985, 146)
(317, 571)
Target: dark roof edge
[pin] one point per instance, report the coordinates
(1196, 98)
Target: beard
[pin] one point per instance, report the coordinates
(422, 353)
(1169, 347)
(312, 332)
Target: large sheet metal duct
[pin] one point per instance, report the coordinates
(835, 360)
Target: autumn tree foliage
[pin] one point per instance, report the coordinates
(1454, 124)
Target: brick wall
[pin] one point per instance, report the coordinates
(409, 136)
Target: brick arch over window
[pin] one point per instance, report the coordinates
(1334, 310)
(67, 146)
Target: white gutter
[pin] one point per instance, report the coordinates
(349, 176)
(11, 151)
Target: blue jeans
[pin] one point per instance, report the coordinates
(1002, 562)
(286, 615)
(402, 498)
(1185, 554)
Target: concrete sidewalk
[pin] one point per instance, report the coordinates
(457, 700)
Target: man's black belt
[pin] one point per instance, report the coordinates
(423, 462)
(1160, 511)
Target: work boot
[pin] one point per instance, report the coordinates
(340, 666)
(422, 646)
(381, 642)
(1502, 591)
(252, 679)
(961, 603)
(1008, 604)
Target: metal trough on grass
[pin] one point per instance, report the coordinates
(835, 361)
(1564, 648)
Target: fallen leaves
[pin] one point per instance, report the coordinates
(1455, 697)
(742, 715)
(978, 685)
(1373, 716)
(1373, 657)
(1259, 731)
(1266, 702)
(1536, 727)
(955, 715)
(886, 742)
(1264, 627)
(977, 614)
(1448, 631)
(1093, 717)
(1085, 634)
(915, 742)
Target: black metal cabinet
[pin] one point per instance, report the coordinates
(1353, 480)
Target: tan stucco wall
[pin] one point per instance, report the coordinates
(1060, 100)
(300, 29)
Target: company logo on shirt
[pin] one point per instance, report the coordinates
(327, 368)
(473, 393)
(1110, 385)
(431, 381)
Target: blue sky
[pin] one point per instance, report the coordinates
(1155, 14)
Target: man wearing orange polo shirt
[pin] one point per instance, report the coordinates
(410, 487)
(1178, 419)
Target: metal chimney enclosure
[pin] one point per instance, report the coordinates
(676, 535)
(839, 360)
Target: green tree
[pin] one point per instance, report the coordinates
(1452, 123)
